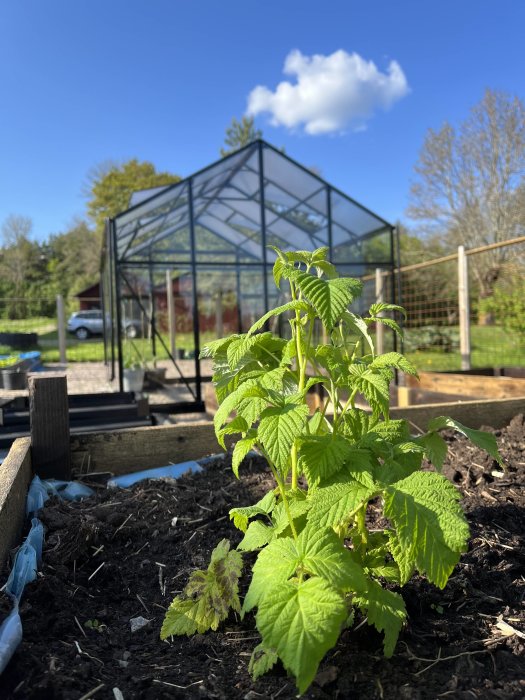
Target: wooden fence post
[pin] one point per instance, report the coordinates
(49, 416)
(464, 309)
(61, 329)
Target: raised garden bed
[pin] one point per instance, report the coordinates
(489, 383)
(126, 553)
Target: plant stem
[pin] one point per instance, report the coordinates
(282, 490)
(360, 521)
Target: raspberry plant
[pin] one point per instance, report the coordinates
(317, 560)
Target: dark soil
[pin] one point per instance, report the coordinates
(127, 553)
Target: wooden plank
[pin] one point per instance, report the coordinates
(15, 476)
(473, 414)
(126, 451)
(49, 416)
(469, 385)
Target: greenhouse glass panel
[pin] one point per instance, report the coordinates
(192, 261)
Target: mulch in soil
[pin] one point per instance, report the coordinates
(126, 553)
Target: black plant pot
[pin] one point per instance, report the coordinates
(14, 379)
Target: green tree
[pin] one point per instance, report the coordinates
(73, 259)
(20, 263)
(240, 134)
(110, 187)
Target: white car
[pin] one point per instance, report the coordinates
(84, 324)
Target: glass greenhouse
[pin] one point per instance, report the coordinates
(190, 262)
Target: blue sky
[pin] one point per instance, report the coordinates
(84, 81)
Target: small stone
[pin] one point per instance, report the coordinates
(137, 623)
(327, 675)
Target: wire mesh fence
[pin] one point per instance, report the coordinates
(430, 293)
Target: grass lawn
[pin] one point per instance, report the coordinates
(492, 346)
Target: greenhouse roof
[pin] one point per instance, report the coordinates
(233, 209)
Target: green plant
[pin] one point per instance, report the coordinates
(9, 361)
(135, 356)
(317, 560)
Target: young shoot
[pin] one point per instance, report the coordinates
(317, 562)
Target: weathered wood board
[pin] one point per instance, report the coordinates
(131, 450)
(15, 476)
(469, 386)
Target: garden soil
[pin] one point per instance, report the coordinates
(125, 554)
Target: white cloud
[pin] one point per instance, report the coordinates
(331, 93)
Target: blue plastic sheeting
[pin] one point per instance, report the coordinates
(29, 556)
(10, 637)
(172, 471)
(24, 570)
(40, 490)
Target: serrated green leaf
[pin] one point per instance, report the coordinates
(356, 325)
(322, 456)
(320, 254)
(381, 306)
(278, 269)
(231, 403)
(241, 515)
(213, 347)
(275, 564)
(289, 352)
(435, 447)
(241, 346)
(483, 440)
(360, 465)
(335, 504)
(257, 535)
(385, 610)
(250, 408)
(301, 622)
(396, 360)
(297, 507)
(241, 449)
(326, 268)
(429, 522)
(392, 470)
(356, 423)
(261, 661)
(289, 306)
(374, 385)
(390, 572)
(321, 552)
(278, 429)
(330, 298)
(331, 358)
(237, 425)
(393, 431)
(208, 596)
(403, 556)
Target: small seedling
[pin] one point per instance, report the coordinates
(95, 625)
(317, 560)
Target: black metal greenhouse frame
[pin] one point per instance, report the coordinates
(244, 202)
